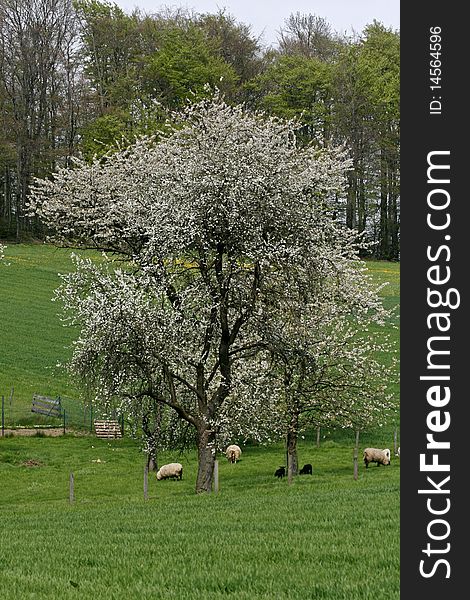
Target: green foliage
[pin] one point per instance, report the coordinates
(118, 128)
(184, 63)
(297, 86)
(366, 87)
(233, 42)
(104, 133)
(379, 63)
(140, 67)
(109, 40)
(367, 76)
(239, 543)
(102, 81)
(130, 58)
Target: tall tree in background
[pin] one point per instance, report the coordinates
(366, 116)
(346, 91)
(183, 65)
(234, 43)
(353, 125)
(142, 66)
(88, 77)
(109, 39)
(300, 87)
(297, 81)
(310, 36)
(37, 84)
(380, 64)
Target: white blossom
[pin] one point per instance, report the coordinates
(224, 247)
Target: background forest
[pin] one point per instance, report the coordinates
(81, 78)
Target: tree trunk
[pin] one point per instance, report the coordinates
(206, 458)
(356, 456)
(292, 446)
(152, 463)
(384, 222)
(361, 206)
(351, 201)
(393, 212)
(290, 472)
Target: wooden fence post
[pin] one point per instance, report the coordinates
(356, 453)
(146, 482)
(71, 489)
(216, 476)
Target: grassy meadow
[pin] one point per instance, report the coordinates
(32, 338)
(324, 537)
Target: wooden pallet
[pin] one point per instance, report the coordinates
(107, 429)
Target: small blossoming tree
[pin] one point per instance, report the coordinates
(332, 374)
(218, 223)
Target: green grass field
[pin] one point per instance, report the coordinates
(33, 340)
(326, 536)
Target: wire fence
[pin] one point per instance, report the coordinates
(78, 415)
(68, 413)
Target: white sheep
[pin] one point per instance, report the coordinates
(173, 470)
(398, 451)
(233, 453)
(381, 457)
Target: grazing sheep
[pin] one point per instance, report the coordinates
(172, 470)
(233, 453)
(398, 451)
(381, 457)
(280, 473)
(306, 469)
